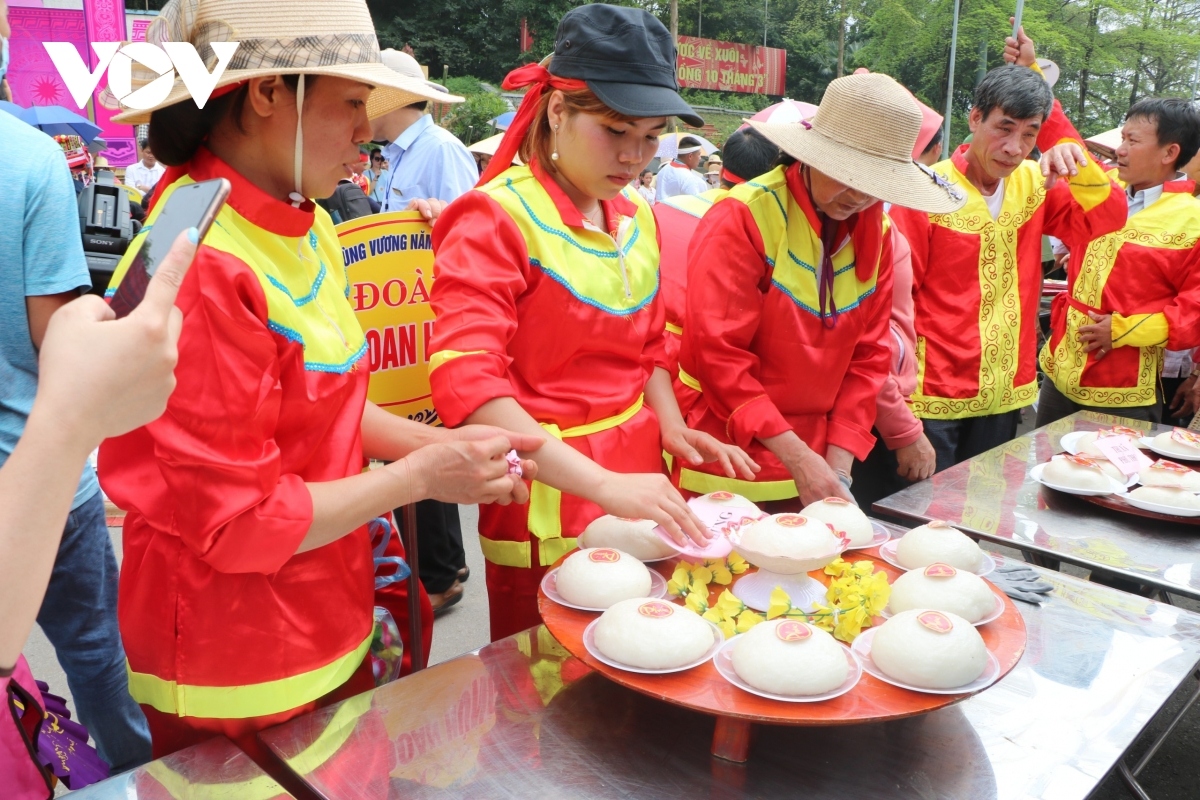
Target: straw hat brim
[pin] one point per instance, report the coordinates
(900, 183)
(392, 90)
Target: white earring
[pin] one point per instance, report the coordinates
(554, 145)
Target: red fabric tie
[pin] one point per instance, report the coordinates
(729, 177)
(537, 78)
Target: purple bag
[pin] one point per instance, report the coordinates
(63, 745)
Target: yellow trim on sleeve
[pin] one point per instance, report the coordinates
(1139, 330)
(442, 356)
(689, 381)
(675, 329)
(755, 491)
(519, 554)
(241, 702)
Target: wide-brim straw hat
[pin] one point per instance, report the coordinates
(863, 136)
(310, 37)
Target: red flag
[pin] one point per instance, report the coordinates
(526, 37)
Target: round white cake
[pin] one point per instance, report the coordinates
(633, 536)
(652, 634)
(1078, 473)
(941, 587)
(845, 517)
(791, 658)
(1167, 496)
(1168, 473)
(929, 649)
(1087, 442)
(600, 576)
(1168, 443)
(729, 499)
(938, 542)
(789, 536)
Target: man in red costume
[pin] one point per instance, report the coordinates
(977, 272)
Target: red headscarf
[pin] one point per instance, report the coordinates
(537, 78)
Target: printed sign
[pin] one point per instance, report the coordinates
(730, 67)
(389, 262)
(656, 609)
(1121, 451)
(792, 631)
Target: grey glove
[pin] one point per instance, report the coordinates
(1020, 582)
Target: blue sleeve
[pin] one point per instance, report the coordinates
(459, 173)
(53, 244)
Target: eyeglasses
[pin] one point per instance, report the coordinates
(376, 158)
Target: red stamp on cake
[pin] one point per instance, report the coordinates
(721, 497)
(1120, 430)
(1170, 466)
(605, 555)
(656, 609)
(792, 631)
(791, 521)
(937, 523)
(936, 621)
(940, 571)
(1184, 436)
(837, 501)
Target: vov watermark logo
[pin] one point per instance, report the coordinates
(163, 61)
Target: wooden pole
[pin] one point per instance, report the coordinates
(408, 534)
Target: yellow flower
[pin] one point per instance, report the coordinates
(702, 574)
(726, 625)
(720, 572)
(747, 620)
(729, 605)
(850, 623)
(680, 583)
(822, 617)
(736, 564)
(877, 591)
(780, 605)
(698, 587)
(837, 568)
(862, 569)
(698, 602)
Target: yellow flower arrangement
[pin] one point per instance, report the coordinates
(856, 594)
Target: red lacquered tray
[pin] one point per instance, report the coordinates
(703, 689)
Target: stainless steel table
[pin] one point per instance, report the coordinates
(992, 497)
(214, 770)
(520, 718)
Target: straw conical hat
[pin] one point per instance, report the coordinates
(312, 37)
(863, 136)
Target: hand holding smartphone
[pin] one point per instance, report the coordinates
(194, 205)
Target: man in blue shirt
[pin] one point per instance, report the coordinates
(42, 267)
(427, 161)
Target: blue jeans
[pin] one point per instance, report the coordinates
(79, 617)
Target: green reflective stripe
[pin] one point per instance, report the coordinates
(241, 702)
(755, 491)
(262, 787)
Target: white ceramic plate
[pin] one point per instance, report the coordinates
(995, 614)
(1036, 474)
(658, 589)
(723, 661)
(1158, 508)
(589, 643)
(888, 553)
(1070, 441)
(862, 649)
(881, 537)
(1148, 443)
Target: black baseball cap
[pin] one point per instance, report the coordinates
(626, 57)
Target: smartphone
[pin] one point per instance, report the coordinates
(195, 205)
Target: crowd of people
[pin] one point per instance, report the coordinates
(845, 313)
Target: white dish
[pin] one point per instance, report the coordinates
(881, 537)
(862, 649)
(1158, 508)
(1036, 474)
(589, 643)
(995, 614)
(658, 589)
(1148, 443)
(1070, 441)
(723, 661)
(888, 553)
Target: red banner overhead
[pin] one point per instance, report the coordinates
(730, 67)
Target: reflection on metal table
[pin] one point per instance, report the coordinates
(521, 718)
(214, 769)
(992, 497)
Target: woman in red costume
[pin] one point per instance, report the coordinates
(246, 591)
(549, 319)
(790, 293)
